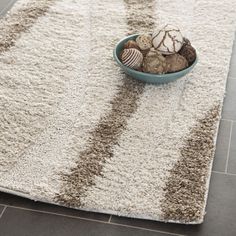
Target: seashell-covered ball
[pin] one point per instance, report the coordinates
(168, 40)
(176, 62)
(132, 58)
(144, 41)
(154, 62)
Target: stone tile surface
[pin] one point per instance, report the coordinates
(232, 71)
(229, 108)
(9, 199)
(222, 145)
(17, 222)
(5, 5)
(232, 152)
(220, 217)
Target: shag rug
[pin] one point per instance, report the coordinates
(77, 132)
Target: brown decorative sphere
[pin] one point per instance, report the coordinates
(131, 44)
(145, 52)
(154, 62)
(188, 52)
(176, 62)
(186, 41)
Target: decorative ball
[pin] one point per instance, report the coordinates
(188, 52)
(176, 62)
(154, 62)
(145, 52)
(132, 58)
(186, 41)
(131, 44)
(168, 40)
(144, 41)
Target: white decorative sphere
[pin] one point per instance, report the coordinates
(168, 40)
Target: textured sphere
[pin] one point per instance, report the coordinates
(154, 62)
(188, 52)
(186, 41)
(176, 62)
(168, 40)
(132, 58)
(131, 44)
(144, 41)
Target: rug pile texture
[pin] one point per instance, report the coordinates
(77, 132)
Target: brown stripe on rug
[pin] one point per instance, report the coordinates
(26, 100)
(21, 21)
(140, 15)
(186, 187)
(111, 125)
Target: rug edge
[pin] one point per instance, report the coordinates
(109, 212)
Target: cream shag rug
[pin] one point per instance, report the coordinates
(77, 132)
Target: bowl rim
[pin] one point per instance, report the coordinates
(149, 74)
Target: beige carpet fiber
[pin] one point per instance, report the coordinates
(76, 131)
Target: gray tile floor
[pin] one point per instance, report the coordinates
(22, 217)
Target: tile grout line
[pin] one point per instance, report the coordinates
(109, 221)
(4, 209)
(230, 136)
(223, 173)
(152, 230)
(54, 213)
(93, 220)
(229, 120)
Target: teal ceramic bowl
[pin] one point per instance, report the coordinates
(148, 77)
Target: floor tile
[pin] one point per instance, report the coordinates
(12, 200)
(222, 145)
(232, 70)
(5, 5)
(17, 222)
(232, 152)
(229, 108)
(220, 217)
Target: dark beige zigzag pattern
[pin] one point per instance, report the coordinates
(186, 187)
(21, 21)
(112, 124)
(139, 15)
(25, 101)
(100, 144)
